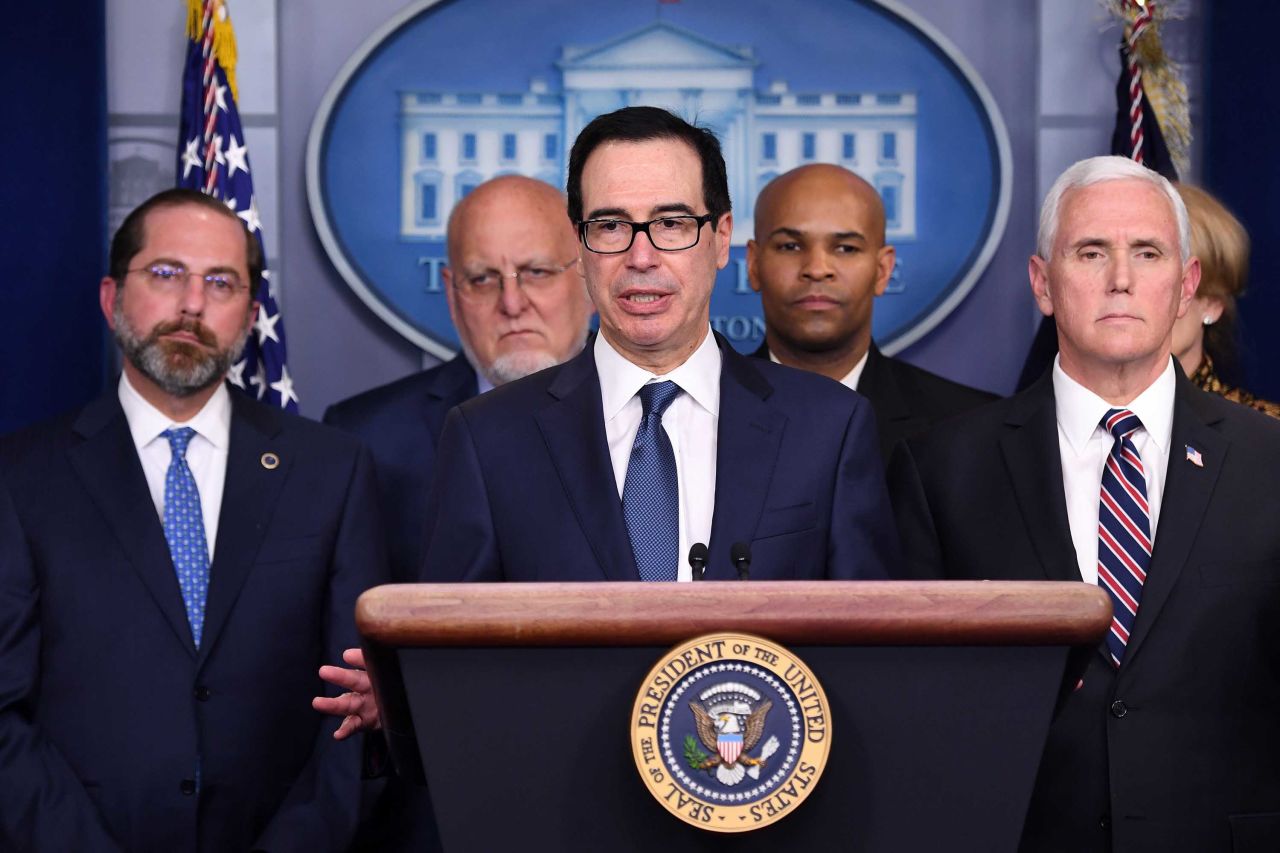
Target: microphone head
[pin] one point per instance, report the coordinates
(740, 554)
(698, 555)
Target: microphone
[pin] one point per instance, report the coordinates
(740, 556)
(698, 556)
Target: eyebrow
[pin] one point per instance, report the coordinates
(1107, 244)
(796, 233)
(174, 262)
(656, 212)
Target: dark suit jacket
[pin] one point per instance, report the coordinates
(525, 490)
(1179, 749)
(105, 703)
(907, 399)
(400, 423)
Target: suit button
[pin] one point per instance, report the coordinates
(1104, 822)
(187, 787)
(202, 693)
(1119, 709)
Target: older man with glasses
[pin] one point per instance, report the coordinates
(517, 300)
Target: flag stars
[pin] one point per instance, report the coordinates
(265, 326)
(220, 97)
(237, 157)
(190, 157)
(250, 216)
(284, 387)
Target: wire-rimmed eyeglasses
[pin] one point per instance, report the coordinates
(171, 279)
(487, 284)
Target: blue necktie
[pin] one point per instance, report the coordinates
(184, 530)
(1124, 529)
(650, 495)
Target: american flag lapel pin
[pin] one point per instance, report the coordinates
(1194, 457)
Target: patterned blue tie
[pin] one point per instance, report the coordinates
(184, 530)
(1124, 529)
(650, 495)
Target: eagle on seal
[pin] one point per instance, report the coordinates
(730, 742)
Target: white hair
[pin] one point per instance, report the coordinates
(1095, 170)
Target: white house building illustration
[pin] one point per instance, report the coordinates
(452, 141)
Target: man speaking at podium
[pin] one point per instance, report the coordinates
(658, 435)
(1115, 470)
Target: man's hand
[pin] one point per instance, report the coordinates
(357, 707)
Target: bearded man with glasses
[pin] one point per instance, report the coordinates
(173, 559)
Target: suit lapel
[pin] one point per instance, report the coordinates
(249, 499)
(1187, 489)
(747, 442)
(453, 384)
(1033, 464)
(573, 429)
(107, 464)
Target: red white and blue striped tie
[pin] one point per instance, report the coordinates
(1124, 529)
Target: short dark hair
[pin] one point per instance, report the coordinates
(130, 236)
(640, 124)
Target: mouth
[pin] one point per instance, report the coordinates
(816, 302)
(189, 333)
(642, 302)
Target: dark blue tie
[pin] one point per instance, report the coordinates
(184, 530)
(651, 495)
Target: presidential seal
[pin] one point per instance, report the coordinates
(730, 732)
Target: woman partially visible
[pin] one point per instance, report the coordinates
(1207, 332)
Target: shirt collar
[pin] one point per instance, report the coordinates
(146, 422)
(851, 378)
(1080, 410)
(620, 380)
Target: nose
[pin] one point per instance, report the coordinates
(512, 300)
(193, 296)
(817, 265)
(1122, 273)
(642, 255)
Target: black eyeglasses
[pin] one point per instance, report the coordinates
(668, 233)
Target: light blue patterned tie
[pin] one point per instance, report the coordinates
(184, 530)
(650, 495)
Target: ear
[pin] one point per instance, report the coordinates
(1038, 272)
(753, 256)
(450, 295)
(252, 317)
(886, 258)
(724, 233)
(1190, 281)
(107, 300)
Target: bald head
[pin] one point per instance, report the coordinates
(812, 186)
(515, 230)
(818, 260)
(515, 198)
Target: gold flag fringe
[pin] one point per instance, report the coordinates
(1163, 84)
(224, 39)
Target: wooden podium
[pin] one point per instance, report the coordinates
(513, 701)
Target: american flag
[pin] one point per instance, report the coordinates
(213, 159)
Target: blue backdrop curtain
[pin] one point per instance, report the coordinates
(1241, 129)
(53, 353)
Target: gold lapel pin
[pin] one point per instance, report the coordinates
(270, 461)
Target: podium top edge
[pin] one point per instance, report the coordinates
(959, 613)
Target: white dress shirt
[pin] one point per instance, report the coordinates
(691, 422)
(1084, 445)
(851, 378)
(206, 454)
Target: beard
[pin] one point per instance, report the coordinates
(178, 368)
(518, 365)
